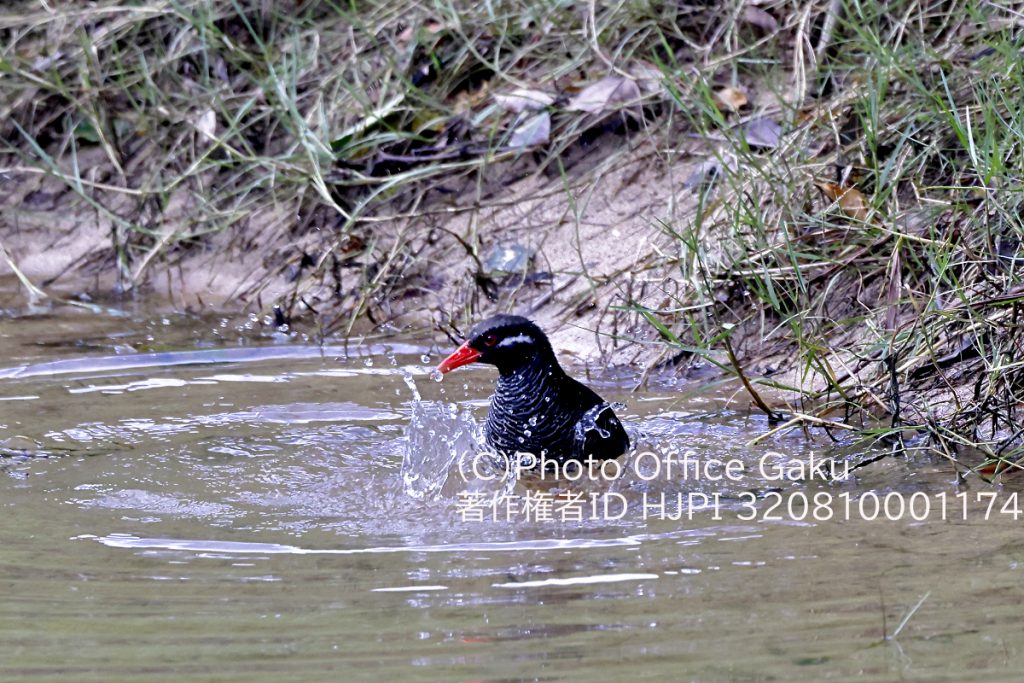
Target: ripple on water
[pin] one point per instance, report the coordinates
(310, 505)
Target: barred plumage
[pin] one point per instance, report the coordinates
(536, 407)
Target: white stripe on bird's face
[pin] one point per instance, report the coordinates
(517, 339)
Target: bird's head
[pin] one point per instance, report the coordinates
(506, 341)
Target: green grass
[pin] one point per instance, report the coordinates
(181, 120)
(910, 311)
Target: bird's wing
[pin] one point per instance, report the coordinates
(599, 434)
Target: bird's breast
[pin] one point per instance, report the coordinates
(529, 414)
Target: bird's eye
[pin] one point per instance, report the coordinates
(490, 340)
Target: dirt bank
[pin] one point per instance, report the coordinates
(820, 201)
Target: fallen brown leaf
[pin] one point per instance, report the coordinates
(731, 99)
(1000, 467)
(851, 200)
(353, 243)
(431, 27)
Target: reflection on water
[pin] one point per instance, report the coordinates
(215, 511)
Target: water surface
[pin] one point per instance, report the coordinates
(185, 500)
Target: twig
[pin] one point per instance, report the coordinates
(772, 415)
(909, 614)
(799, 418)
(35, 295)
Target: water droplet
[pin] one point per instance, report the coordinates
(437, 375)
(533, 420)
(547, 399)
(521, 440)
(368, 362)
(527, 432)
(425, 358)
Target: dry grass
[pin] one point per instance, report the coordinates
(871, 261)
(851, 238)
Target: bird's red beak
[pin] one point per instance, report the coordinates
(464, 355)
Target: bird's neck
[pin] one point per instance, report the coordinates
(543, 369)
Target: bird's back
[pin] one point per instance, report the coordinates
(550, 413)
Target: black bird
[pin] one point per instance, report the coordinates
(536, 407)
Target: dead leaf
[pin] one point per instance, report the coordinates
(762, 132)
(648, 77)
(533, 132)
(730, 99)
(523, 99)
(206, 124)
(468, 100)
(759, 18)
(353, 243)
(431, 27)
(1004, 468)
(851, 200)
(605, 94)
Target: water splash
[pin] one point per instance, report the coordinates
(588, 423)
(411, 383)
(438, 435)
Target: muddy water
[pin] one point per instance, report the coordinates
(183, 501)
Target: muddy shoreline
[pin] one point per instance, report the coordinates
(774, 197)
(571, 269)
